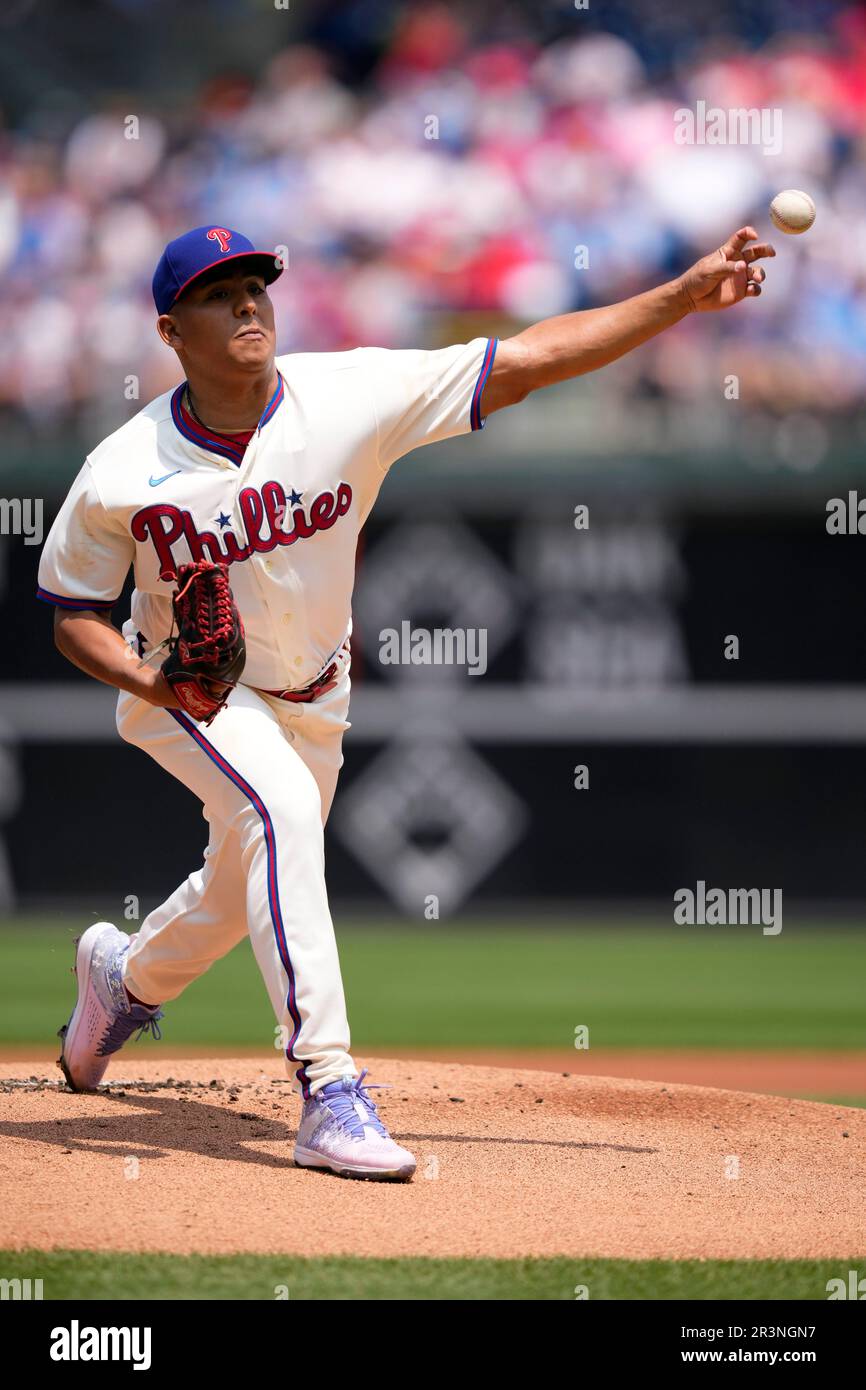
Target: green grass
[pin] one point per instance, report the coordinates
(858, 1102)
(71, 1274)
(526, 985)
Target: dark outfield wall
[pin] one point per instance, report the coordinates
(654, 820)
(640, 602)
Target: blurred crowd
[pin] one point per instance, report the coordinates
(468, 183)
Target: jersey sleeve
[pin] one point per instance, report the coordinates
(87, 554)
(421, 397)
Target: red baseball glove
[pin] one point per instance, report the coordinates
(208, 652)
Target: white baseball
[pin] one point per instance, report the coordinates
(792, 211)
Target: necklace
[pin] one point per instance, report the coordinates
(195, 415)
(187, 400)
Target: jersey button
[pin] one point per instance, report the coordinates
(287, 618)
(299, 661)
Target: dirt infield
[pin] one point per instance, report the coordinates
(812, 1075)
(511, 1163)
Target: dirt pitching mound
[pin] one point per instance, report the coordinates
(197, 1156)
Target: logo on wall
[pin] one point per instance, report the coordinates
(429, 817)
(419, 569)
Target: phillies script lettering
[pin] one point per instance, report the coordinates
(268, 521)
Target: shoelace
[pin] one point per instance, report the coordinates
(125, 1025)
(342, 1104)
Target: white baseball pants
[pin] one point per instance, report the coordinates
(265, 771)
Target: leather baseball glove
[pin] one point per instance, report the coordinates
(208, 652)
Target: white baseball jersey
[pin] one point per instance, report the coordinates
(284, 513)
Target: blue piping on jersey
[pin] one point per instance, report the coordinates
(273, 887)
(61, 601)
(475, 409)
(207, 439)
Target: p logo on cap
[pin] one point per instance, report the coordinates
(222, 235)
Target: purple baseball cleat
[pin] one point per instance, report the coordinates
(340, 1130)
(103, 1018)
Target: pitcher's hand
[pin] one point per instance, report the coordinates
(728, 275)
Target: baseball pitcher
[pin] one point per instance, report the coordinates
(237, 499)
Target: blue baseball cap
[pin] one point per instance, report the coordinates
(190, 255)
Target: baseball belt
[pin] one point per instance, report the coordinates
(324, 681)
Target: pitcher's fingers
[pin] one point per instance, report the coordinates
(757, 275)
(760, 252)
(721, 269)
(733, 247)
